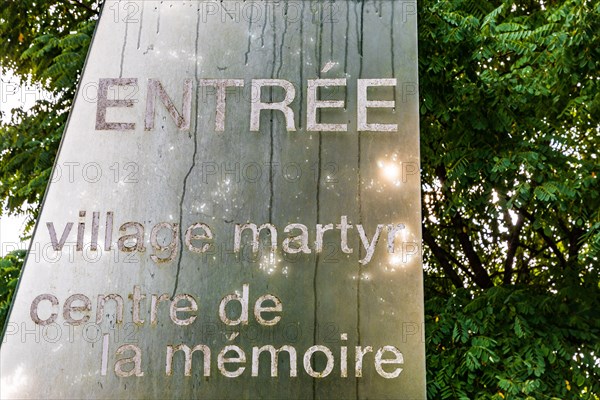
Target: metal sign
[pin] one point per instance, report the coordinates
(234, 212)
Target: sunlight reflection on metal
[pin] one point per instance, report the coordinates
(391, 169)
(395, 261)
(13, 385)
(270, 264)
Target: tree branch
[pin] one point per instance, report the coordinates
(482, 277)
(513, 245)
(574, 243)
(561, 258)
(443, 258)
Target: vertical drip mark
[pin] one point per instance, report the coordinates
(272, 119)
(319, 43)
(123, 50)
(187, 175)
(331, 33)
(318, 60)
(158, 20)
(360, 32)
(301, 66)
(346, 47)
(356, 24)
(141, 23)
(262, 34)
(285, 27)
(249, 35)
(317, 256)
(392, 19)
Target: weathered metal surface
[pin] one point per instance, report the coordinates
(198, 127)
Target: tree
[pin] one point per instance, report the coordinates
(10, 269)
(45, 43)
(510, 127)
(511, 202)
(510, 124)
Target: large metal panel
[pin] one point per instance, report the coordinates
(134, 259)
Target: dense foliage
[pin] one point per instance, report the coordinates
(44, 43)
(10, 269)
(510, 136)
(510, 119)
(512, 343)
